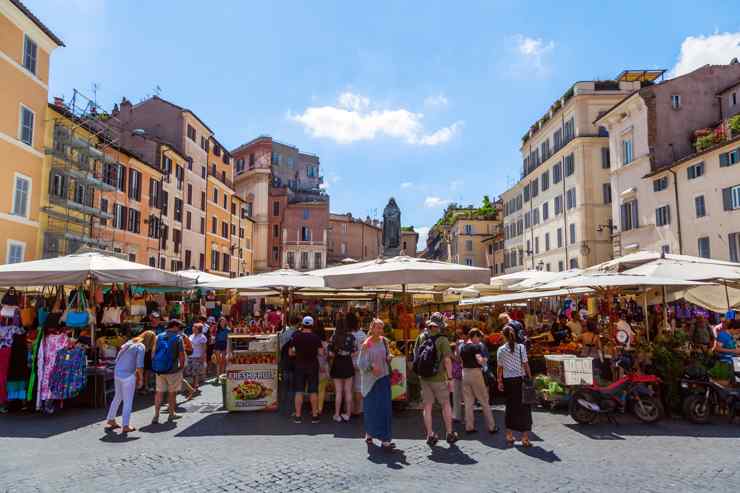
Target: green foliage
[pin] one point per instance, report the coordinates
(720, 371)
(734, 124)
(669, 361)
(407, 228)
(705, 141)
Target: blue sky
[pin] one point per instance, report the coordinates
(415, 100)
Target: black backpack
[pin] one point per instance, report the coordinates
(426, 363)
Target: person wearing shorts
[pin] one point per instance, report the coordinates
(438, 387)
(170, 382)
(306, 346)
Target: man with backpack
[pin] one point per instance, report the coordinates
(433, 365)
(168, 363)
(516, 326)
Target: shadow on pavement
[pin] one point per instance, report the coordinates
(451, 455)
(393, 460)
(537, 452)
(667, 428)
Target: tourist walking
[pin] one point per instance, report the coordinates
(474, 383)
(196, 368)
(305, 347)
(433, 365)
(219, 346)
(323, 357)
(168, 363)
(353, 326)
(513, 366)
(342, 349)
(457, 383)
(128, 375)
(374, 364)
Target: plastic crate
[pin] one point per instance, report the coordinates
(736, 365)
(570, 370)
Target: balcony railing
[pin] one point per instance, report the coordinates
(221, 178)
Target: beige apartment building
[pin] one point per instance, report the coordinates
(557, 216)
(666, 196)
(409, 241)
(467, 240)
(26, 46)
(354, 238)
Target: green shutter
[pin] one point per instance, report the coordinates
(727, 198)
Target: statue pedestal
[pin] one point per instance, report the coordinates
(391, 252)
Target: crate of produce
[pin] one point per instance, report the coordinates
(570, 370)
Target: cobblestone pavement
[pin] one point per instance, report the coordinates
(210, 450)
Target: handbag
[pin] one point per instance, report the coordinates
(28, 315)
(138, 310)
(111, 315)
(7, 311)
(77, 314)
(529, 394)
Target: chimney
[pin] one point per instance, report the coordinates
(58, 102)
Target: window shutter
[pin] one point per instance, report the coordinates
(623, 213)
(727, 198)
(691, 171)
(732, 240)
(724, 160)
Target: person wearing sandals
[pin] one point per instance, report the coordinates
(342, 350)
(513, 365)
(374, 364)
(305, 347)
(438, 386)
(127, 377)
(473, 382)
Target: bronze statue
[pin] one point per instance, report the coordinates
(391, 228)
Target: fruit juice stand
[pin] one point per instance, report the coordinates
(251, 373)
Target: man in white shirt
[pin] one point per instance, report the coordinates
(576, 329)
(623, 326)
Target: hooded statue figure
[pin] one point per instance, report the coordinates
(391, 228)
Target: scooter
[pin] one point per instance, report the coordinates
(634, 392)
(703, 397)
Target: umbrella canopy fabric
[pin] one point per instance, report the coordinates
(401, 270)
(530, 295)
(76, 268)
(474, 290)
(691, 271)
(277, 280)
(544, 278)
(638, 258)
(613, 280)
(200, 277)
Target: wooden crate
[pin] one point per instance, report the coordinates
(570, 370)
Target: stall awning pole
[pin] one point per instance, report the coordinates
(727, 297)
(645, 310)
(665, 311)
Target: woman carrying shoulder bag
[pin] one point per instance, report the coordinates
(374, 363)
(513, 367)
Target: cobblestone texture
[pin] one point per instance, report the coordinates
(210, 450)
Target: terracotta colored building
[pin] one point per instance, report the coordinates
(26, 46)
(355, 238)
(281, 188)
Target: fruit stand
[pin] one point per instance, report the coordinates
(251, 373)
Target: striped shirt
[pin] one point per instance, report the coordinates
(512, 362)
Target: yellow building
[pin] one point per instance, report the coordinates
(25, 49)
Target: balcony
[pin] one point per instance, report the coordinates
(219, 176)
(302, 196)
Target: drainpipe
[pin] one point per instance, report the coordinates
(678, 212)
(562, 203)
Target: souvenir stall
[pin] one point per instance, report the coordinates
(54, 347)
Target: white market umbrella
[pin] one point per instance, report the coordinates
(523, 296)
(401, 270)
(279, 280)
(544, 278)
(78, 267)
(608, 280)
(474, 290)
(691, 271)
(636, 259)
(199, 277)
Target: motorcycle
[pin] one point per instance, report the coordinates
(632, 392)
(703, 397)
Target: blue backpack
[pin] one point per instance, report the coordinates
(165, 355)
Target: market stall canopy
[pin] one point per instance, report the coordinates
(401, 270)
(76, 268)
(284, 279)
(474, 290)
(504, 281)
(605, 280)
(638, 258)
(715, 298)
(530, 295)
(691, 271)
(200, 277)
(544, 278)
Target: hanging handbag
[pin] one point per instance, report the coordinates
(99, 299)
(529, 394)
(77, 314)
(111, 315)
(11, 297)
(8, 311)
(28, 315)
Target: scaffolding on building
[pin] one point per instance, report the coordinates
(79, 172)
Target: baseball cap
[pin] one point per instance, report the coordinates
(175, 323)
(154, 314)
(308, 321)
(436, 320)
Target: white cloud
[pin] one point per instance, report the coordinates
(437, 101)
(352, 120)
(532, 54)
(423, 233)
(330, 180)
(697, 51)
(431, 202)
(406, 184)
(456, 184)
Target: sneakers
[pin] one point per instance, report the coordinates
(338, 418)
(345, 417)
(315, 419)
(297, 420)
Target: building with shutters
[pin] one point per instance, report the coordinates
(281, 187)
(557, 216)
(666, 195)
(352, 237)
(26, 45)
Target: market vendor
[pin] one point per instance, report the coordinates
(725, 345)
(155, 323)
(560, 331)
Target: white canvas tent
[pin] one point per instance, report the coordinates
(692, 271)
(199, 277)
(636, 259)
(523, 296)
(279, 280)
(606, 280)
(79, 267)
(400, 271)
